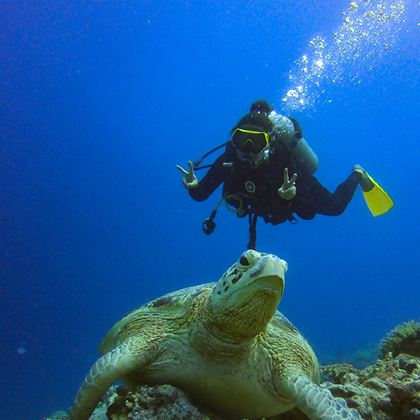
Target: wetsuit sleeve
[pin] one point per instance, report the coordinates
(213, 178)
(335, 203)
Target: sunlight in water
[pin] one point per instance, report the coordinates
(368, 30)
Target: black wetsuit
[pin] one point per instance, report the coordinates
(240, 178)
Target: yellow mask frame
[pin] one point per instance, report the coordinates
(258, 140)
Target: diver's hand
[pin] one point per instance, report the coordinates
(365, 181)
(288, 190)
(190, 180)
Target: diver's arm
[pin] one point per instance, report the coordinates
(334, 203)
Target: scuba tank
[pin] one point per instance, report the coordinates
(288, 131)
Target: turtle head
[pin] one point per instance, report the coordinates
(246, 297)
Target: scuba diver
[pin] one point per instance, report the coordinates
(267, 171)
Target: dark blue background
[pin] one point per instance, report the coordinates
(98, 103)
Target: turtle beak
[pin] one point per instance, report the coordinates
(268, 276)
(271, 283)
(274, 270)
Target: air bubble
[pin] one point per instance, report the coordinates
(368, 30)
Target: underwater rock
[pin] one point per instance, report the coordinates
(360, 359)
(159, 402)
(58, 415)
(404, 338)
(387, 390)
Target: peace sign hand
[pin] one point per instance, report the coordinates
(288, 190)
(189, 180)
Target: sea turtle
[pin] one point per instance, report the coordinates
(224, 343)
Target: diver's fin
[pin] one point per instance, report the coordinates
(377, 199)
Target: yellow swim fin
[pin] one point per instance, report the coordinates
(377, 199)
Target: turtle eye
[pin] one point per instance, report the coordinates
(243, 261)
(248, 259)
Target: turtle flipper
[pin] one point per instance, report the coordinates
(318, 403)
(110, 367)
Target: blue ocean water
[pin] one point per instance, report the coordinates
(98, 103)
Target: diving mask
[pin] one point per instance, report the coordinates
(249, 141)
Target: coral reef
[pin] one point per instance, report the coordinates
(388, 390)
(364, 357)
(360, 359)
(153, 403)
(404, 338)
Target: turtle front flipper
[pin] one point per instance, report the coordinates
(109, 368)
(316, 402)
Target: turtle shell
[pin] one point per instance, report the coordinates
(171, 305)
(280, 321)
